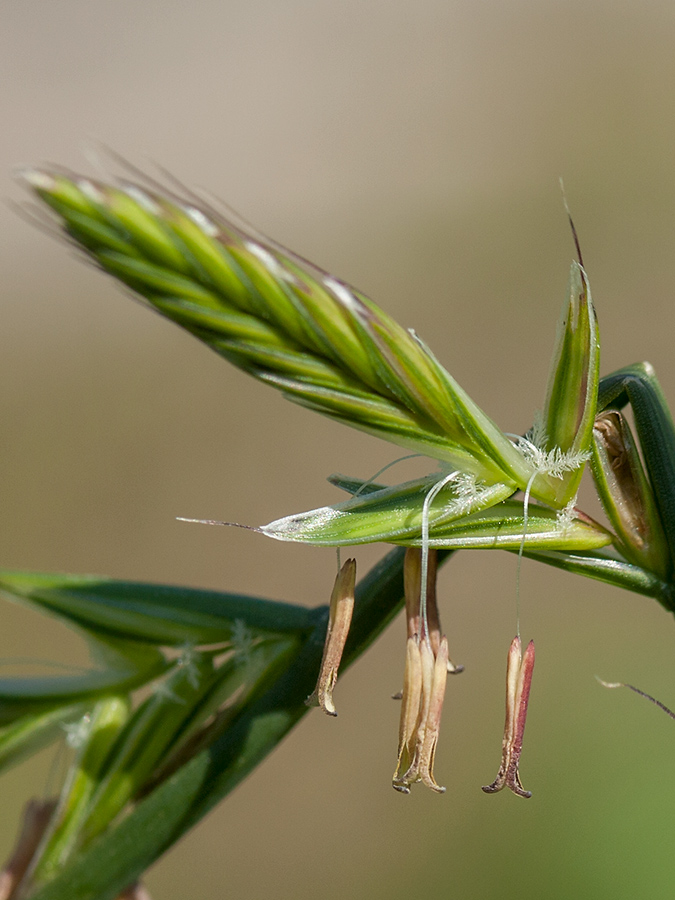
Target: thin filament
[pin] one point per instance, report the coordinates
(424, 567)
(526, 505)
(384, 469)
(370, 481)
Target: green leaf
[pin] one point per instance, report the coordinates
(124, 666)
(126, 850)
(154, 613)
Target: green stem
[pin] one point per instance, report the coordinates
(611, 571)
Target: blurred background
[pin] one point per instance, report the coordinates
(414, 150)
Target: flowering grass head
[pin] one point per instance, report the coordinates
(193, 688)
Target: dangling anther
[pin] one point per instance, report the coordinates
(519, 670)
(340, 617)
(426, 670)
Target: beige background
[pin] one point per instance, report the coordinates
(413, 149)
